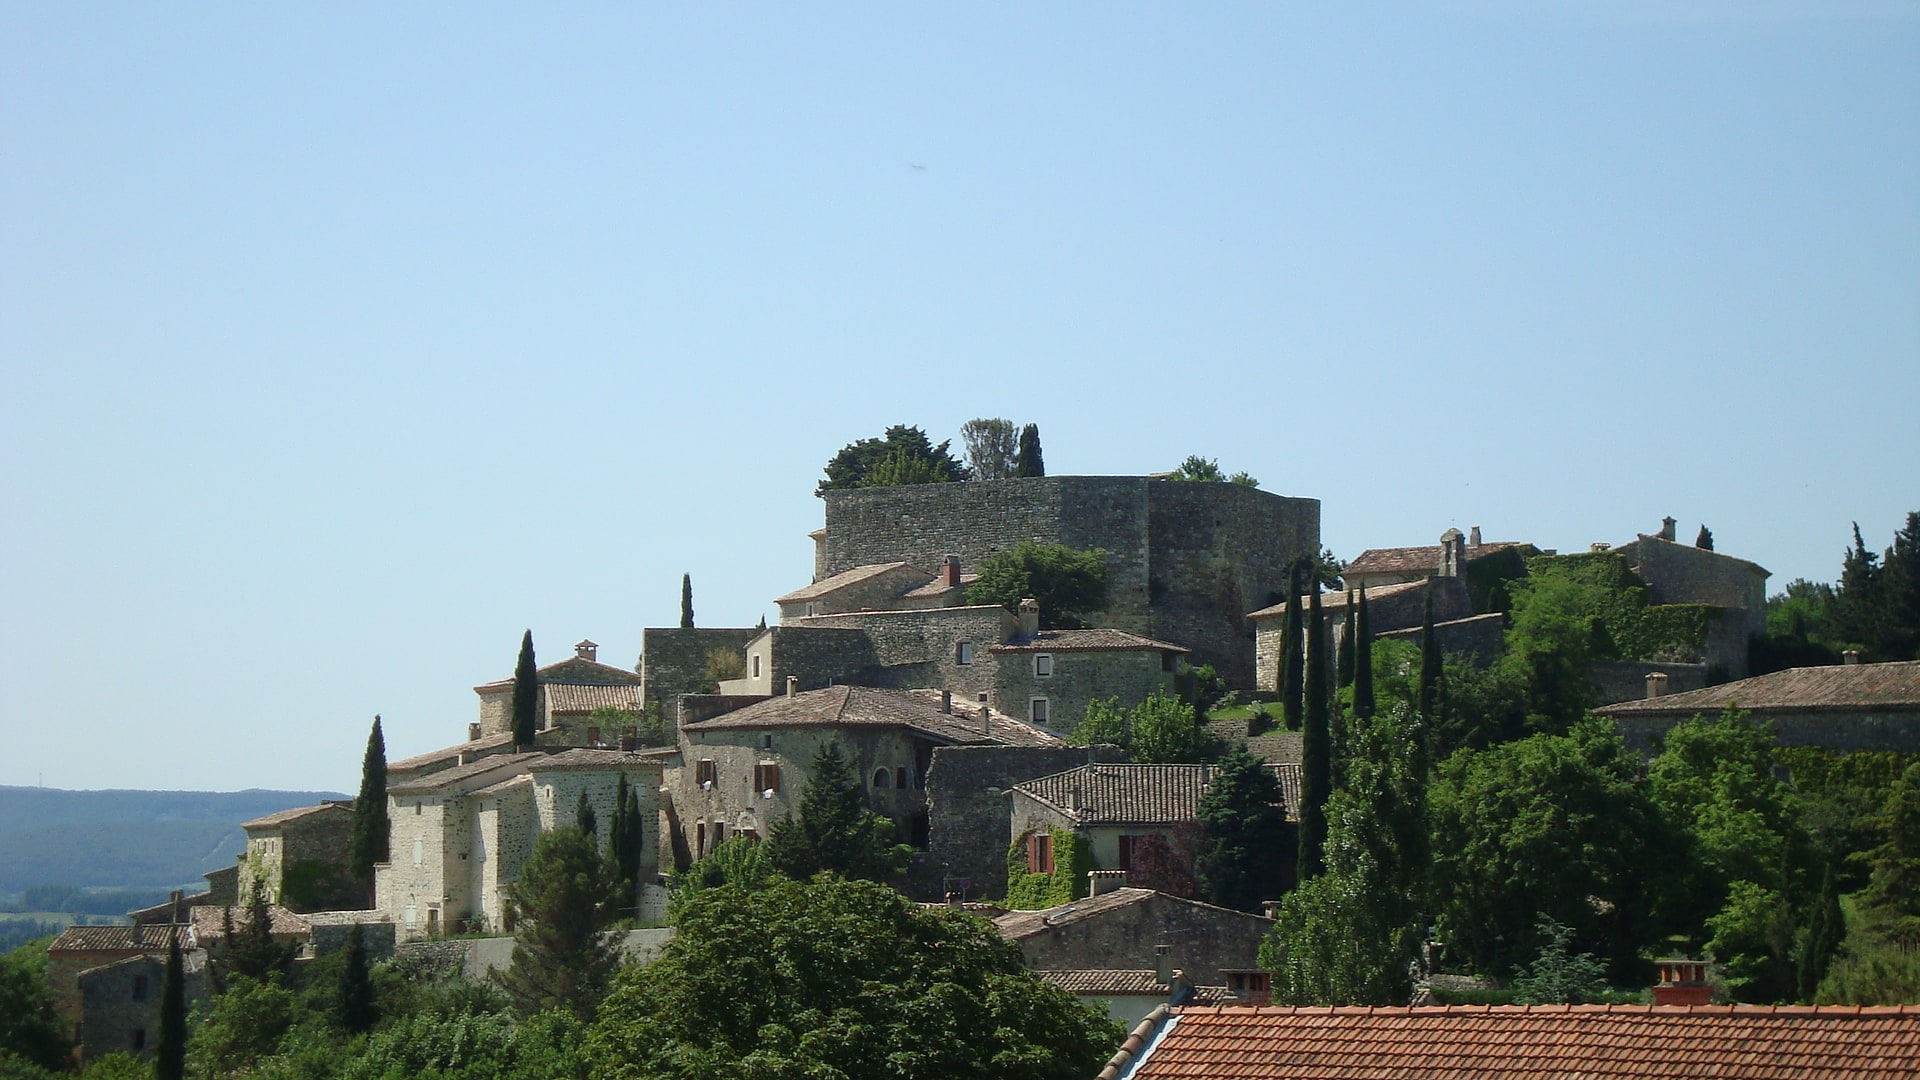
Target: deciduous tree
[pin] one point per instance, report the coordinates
(993, 450)
(1160, 730)
(1207, 471)
(1070, 584)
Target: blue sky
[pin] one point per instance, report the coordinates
(342, 345)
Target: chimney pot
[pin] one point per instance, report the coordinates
(946, 702)
(953, 571)
(793, 685)
(1104, 881)
(586, 650)
(1163, 963)
(1666, 528)
(473, 731)
(1851, 657)
(986, 720)
(1473, 536)
(1683, 982)
(1452, 559)
(1029, 617)
(1656, 684)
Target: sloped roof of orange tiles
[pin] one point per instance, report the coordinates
(1805, 689)
(1593, 1042)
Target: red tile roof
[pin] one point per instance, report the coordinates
(146, 937)
(1840, 686)
(1129, 794)
(1592, 1042)
(1084, 641)
(861, 706)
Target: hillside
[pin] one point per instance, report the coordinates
(127, 838)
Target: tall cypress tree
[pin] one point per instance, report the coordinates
(623, 843)
(170, 1053)
(1291, 688)
(1316, 750)
(526, 694)
(1363, 706)
(368, 843)
(1028, 463)
(1431, 690)
(686, 601)
(584, 817)
(1346, 644)
(353, 1004)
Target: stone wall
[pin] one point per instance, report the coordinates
(1206, 940)
(1480, 636)
(921, 649)
(1834, 729)
(673, 661)
(313, 848)
(1682, 574)
(970, 813)
(1626, 680)
(1079, 678)
(120, 1004)
(877, 592)
(330, 930)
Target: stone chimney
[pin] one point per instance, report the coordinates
(1453, 556)
(953, 572)
(179, 908)
(1029, 617)
(1656, 684)
(793, 685)
(1850, 657)
(986, 719)
(1683, 982)
(1163, 963)
(1270, 909)
(1105, 881)
(1073, 800)
(946, 702)
(1666, 528)
(473, 731)
(1473, 536)
(586, 650)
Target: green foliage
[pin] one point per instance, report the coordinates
(1490, 577)
(1327, 947)
(473, 1046)
(1825, 930)
(117, 1067)
(1069, 584)
(1704, 540)
(251, 949)
(1207, 471)
(1030, 462)
(29, 1026)
(644, 725)
(1293, 694)
(1485, 705)
(1557, 974)
(1160, 730)
(624, 845)
(1072, 860)
(242, 1026)
(170, 1048)
(1432, 691)
(739, 861)
(1362, 700)
(526, 694)
(993, 448)
(1895, 886)
(584, 817)
(1881, 973)
(835, 831)
(1752, 939)
(354, 1009)
(1246, 850)
(686, 601)
(368, 842)
(841, 979)
(903, 456)
(1316, 747)
(564, 897)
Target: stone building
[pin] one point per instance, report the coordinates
(298, 857)
(676, 661)
(969, 813)
(106, 982)
(1123, 928)
(1735, 590)
(569, 691)
(1457, 556)
(1185, 561)
(1841, 707)
(891, 586)
(1390, 608)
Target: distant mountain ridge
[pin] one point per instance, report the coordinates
(136, 839)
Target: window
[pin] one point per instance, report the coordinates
(419, 851)
(1131, 847)
(900, 778)
(139, 988)
(963, 653)
(593, 736)
(719, 833)
(882, 778)
(1037, 710)
(766, 776)
(1042, 665)
(139, 1039)
(1040, 852)
(705, 773)
(766, 742)
(1166, 661)
(756, 665)
(700, 840)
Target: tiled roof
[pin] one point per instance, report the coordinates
(1098, 982)
(1510, 1042)
(434, 757)
(571, 698)
(828, 585)
(1084, 641)
(1750, 566)
(1337, 600)
(163, 912)
(861, 706)
(146, 937)
(1127, 794)
(939, 585)
(210, 921)
(447, 779)
(275, 820)
(588, 758)
(574, 670)
(1840, 686)
(1016, 925)
(1408, 560)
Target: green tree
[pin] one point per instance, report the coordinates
(686, 601)
(739, 860)
(1363, 703)
(904, 455)
(1895, 885)
(1293, 700)
(624, 842)
(1030, 462)
(584, 817)
(1432, 672)
(29, 1025)
(252, 951)
(1160, 730)
(526, 694)
(1207, 471)
(564, 897)
(1245, 854)
(170, 1050)
(1316, 747)
(367, 844)
(1704, 540)
(835, 831)
(1069, 584)
(1343, 677)
(354, 1007)
(843, 979)
(993, 448)
(242, 1027)
(1825, 930)
(1558, 975)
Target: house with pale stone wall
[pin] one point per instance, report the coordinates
(298, 857)
(569, 691)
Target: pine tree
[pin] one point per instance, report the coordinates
(1316, 750)
(835, 830)
(170, 1052)
(1704, 541)
(1292, 703)
(354, 1008)
(583, 816)
(1346, 644)
(1826, 929)
(1028, 463)
(564, 897)
(686, 601)
(1900, 595)
(526, 694)
(251, 950)
(368, 843)
(1246, 849)
(1432, 695)
(1363, 706)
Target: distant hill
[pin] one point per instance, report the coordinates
(135, 839)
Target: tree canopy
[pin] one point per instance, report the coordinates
(835, 831)
(1207, 470)
(1245, 852)
(1070, 584)
(1029, 462)
(843, 979)
(993, 451)
(903, 456)
(1159, 730)
(564, 897)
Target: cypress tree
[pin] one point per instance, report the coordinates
(1705, 539)
(526, 694)
(1825, 931)
(583, 815)
(1431, 690)
(1028, 462)
(629, 838)
(368, 844)
(1346, 644)
(1291, 673)
(1362, 661)
(170, 1053)
(1316, 751)
(251, 950)
(686, 601)
(353, 1005)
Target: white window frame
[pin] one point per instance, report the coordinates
(1042, 665)
(963, 653)
(1039, 711)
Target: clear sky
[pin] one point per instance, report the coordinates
(341, 343)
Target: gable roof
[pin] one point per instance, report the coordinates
(450, 753)
(575, 671)
(1808, 689)
(1337, 599)
(144, 937)
(1113, 793)
(210, 921)
(826, 586)
(474, 774)
(1514, 1042)
(574, 698)
(868, 707)
(1084, 641)
(1410, 560)
(1016, 925)
(275, 820)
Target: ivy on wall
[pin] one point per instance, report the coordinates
(1072, 859)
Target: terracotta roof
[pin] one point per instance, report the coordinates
(1084, 641)
(210, 921)
(434, 757)
(1408, 560)
(146, 937)
(571, 698)
(939, 585)
(861, 706)
(574, 670)
(1127, 794)
(458, 775)
(1337, 600)
(829, 585)
(1105, 982)
(274, 820)
(1593, 1042)
(590, 758)
(1016, 925)
(1840, 686)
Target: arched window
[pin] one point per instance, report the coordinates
(882, 778)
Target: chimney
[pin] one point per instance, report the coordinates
(1683, 982)
(1473, 536)
(1029, 617)
(586, 650)
(473, 731)
(1104, 881)
(793, 685)
(1453, 560)
(1270, 908)
(1656, 684)
(179, 915)
(1666, 528)
(953, 572)
(986, 720)
(946, 702)
(1850, 657)
(1073, 800)
(1163, 963)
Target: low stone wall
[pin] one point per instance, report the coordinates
(1845, 731)
(970, 816)
(1626, 680)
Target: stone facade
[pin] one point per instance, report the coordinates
(1390, 608)
(569, 690)
(1844, 707)
(1185, 561)
(298, 858)
(1626, 680)
(885, 587)
(1120, 929)
(970, 815)
(924, 649)
(1683, 574)
(676, 661)
(120, 1002)
(1050, 680)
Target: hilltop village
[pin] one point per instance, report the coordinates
(958, 718)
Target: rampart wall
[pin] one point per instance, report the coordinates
(673, 661)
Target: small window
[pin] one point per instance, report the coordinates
(139, 988)
(1040, 853)
(416, 809)
(766, 776)
(882, 778)
(705, 773)
(719, 833)
(699, 840)
(963, 653)
(139, 1039)
(1042, 665)
(900, 778)
(1037, 710)
(419, 851)
(756, 665)
(1166, 661)
(593, 736)
(766, 742)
